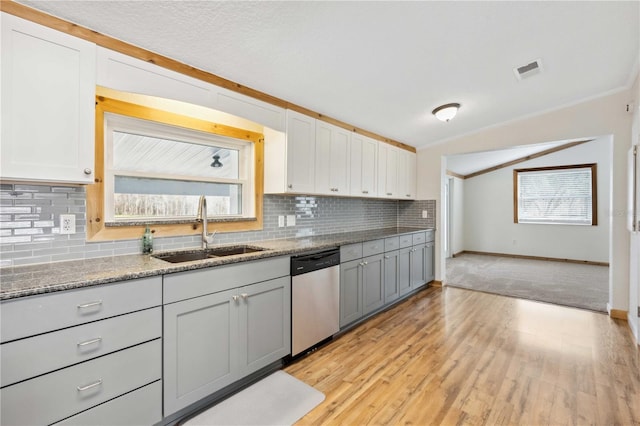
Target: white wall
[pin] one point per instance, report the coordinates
(458, 234)
(488, 212)
(634, 247)
(598, 117)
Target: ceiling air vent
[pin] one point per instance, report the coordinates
(528, 70)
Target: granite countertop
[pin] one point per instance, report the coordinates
(30, 280)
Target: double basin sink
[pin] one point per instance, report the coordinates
(191, 255)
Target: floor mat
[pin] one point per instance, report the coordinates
(279, 399)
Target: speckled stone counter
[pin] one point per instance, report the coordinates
(30, 280)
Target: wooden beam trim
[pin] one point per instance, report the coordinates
(527, 158)
(42, 18)
(454, 174)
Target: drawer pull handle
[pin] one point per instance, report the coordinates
(90, 386)
(90, 304)
(387, 257)
(90, 342)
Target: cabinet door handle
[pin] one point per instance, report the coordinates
(235, 298)
(87, 171)
(90, 304)
(90, 342)
(387, 257)
(89, 386)
(244, 295)
(389, 193)
(366, 263)
(290, 186)
(365, 192)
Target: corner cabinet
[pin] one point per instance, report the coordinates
(407, 179)
(47, 95)
(213, 340)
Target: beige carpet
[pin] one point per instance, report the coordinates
(569, 284)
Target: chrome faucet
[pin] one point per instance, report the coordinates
(202, 217)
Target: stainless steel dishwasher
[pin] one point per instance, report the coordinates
(315, 287)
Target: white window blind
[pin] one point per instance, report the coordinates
(562, 195)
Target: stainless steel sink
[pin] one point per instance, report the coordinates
(190, 256)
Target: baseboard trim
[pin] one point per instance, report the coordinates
(436, 283)
(457, 254)
(618, 314)
(521, 256)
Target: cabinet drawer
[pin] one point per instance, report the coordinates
(392, 243)
(431, 235)
(140, 407)
(419, 238)
(47, 312)
(26, 358)
(406, 240)
(372, 247)
(350, 252)
(185, 285)
(63, 393)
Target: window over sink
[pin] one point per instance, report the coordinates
(153, 165)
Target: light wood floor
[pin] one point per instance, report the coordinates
(451, 356)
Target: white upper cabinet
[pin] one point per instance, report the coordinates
(332, 159)
(289, 158)
(387, 170)
(47, 94)
(127, 74)
(363, 177)
(407, 180)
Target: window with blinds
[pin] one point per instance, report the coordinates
(556, 195)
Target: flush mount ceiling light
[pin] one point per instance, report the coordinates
(216, 161)
(446, 112)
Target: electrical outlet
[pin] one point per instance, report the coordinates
(67, 224)
(291, 220)
(280, 221)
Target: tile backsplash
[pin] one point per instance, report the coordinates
(30, 223)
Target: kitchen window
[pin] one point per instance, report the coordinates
(556, 195)
(153, 165)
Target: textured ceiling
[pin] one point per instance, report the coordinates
(384, 65)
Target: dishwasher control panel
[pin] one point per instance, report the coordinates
(310, 262)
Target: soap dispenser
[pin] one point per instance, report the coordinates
(147, 241)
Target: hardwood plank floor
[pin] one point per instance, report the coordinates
(458, 357)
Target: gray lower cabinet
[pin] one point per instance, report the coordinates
(391, 276)
(63, 393)
(67, 356)
(429, 270)
(372, 283)
(369, 281)
(417, 262)
(404, 275)
(214, 340)
(361, 288)
(350, 292)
